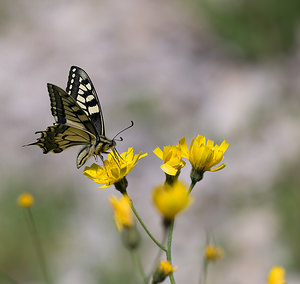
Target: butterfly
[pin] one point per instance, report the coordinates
(78, 119)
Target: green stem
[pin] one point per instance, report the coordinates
(192, 186)
(138, 263)
(37, 244)
(204, 272)
(158, 256)
(168, 252)
(145, 228)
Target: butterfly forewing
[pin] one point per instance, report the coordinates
(80, 87)
(66, 110)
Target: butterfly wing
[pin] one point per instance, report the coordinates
(59, 137)
(66, 110)
(81, 88)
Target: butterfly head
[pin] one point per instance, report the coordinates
(103, 145)
(110, 144)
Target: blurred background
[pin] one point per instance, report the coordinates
(223, 69)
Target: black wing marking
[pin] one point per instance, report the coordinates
(81, 88)
(66, 110)
(57, 138)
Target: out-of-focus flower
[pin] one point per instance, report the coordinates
(163, 270)
(276, 275)
(203, 155)
(171, 199)
(122, 211)
(114, 169)
(213, 253)
(26, 200)
(124, 221)
(171, 156)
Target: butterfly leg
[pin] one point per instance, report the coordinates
(102, 159)
(115, 157)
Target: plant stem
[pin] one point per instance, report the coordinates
(145, 228)
(157, 258)
(37, 244)
(192, 186)
(138, 263)
(168, 252)
(204, 272)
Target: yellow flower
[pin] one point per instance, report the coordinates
(276, 275)
(163, 269)
(203, 155)
(122, 211)
(25, 200)
(171, 199)
(171, 155)
(213, 253)
(114, 169)
(166, 267)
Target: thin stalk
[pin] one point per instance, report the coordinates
(168, 252)
(138, 263)
(37, 244)
(192, 186)
(146, 229)
(204, 272)
(158, 256)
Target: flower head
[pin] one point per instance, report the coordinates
(213, 253)
(163, 269)
(171, 155)
(122, 211)
(114, 169)
(171, 199)
(203, 155)
(276, 275)
(26, 200)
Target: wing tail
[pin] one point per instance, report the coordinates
(57, 138)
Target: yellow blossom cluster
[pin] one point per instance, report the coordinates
(203, 156)
(173, 196)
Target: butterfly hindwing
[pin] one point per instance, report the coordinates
(81, 88)
(57, 138)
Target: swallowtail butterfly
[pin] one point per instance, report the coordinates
(78, 119)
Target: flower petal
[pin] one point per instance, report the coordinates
(184, 148)
(168, 169)
(222, 166)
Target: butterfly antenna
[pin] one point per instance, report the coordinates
(121, 139)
